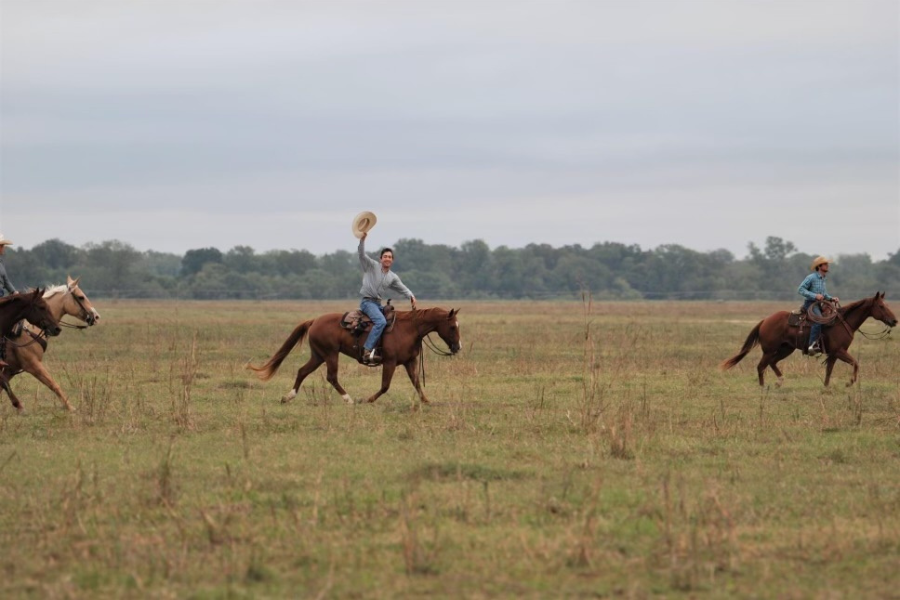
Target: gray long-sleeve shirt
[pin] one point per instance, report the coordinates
(6, 286)
(376, 282)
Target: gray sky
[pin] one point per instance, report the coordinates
(180, 124)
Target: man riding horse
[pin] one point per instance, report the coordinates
(377, 278)
(813, 290)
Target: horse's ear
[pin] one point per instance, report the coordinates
(453, 311)
(70, 283)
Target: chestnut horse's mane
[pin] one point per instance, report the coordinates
(854, 305)
(404, 315)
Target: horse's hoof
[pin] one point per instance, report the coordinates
(70, 408)
(779, 383)
(285, 399)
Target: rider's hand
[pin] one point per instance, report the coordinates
(820, 297)
(363, 236)
(835, 299)
(412, 300)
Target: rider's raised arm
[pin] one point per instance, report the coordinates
(365, 261)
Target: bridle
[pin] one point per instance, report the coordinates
(84, 311)
(426, 341)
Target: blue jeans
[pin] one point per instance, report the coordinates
(373, 311)
(816, 328)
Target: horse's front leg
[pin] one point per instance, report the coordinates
(414, 377)
(387, 373)
(844, 356)
(43, 375)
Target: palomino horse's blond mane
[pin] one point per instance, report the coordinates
(54, 290)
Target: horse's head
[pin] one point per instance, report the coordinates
(76, 303)
(881, 311)
(448, 329)
(38, 313)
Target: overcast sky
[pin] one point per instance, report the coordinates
(180, 124)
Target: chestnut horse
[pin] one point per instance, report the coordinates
(26, 352)
(778, 339)
(402, 346)
(31, 307)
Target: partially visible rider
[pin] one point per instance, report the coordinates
(813, 290)
(6, 286)
(376, 280)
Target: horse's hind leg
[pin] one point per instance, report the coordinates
(783, 352)
(761, 367)
(4, 383)
(331, 363)
(315, 361)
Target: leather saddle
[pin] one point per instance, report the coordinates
(357, 322)
(798, 318)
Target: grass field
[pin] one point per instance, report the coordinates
(571, 450)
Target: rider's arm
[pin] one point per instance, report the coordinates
(365, 261)
(804, 290)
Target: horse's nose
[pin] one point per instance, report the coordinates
(455, 348)
(54, 330)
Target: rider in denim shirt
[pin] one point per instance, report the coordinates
(6, 286)
(813, 290)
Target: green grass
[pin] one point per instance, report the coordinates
(569, 450)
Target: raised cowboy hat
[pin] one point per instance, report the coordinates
(363, 222)
(4, 241)
(820, 260)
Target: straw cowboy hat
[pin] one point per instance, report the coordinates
(4, 241)
(820, 260)
(363, 222)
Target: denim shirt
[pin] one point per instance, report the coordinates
(6, 286)
(812, 285)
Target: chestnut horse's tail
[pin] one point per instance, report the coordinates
(266, 371)
(752, 341)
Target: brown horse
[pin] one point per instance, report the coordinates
(31, 307)
(778, 339)
(402, 346)
(26, 351)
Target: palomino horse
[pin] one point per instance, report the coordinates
(26, 351)
(31, 307)
(778, 339)
(402, 345)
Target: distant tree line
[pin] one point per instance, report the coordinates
(537, 271)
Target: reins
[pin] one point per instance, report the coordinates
(429, 343)
(876, 336)
(35, 338)
(830, 314)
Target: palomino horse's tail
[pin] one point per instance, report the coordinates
(752, 341)
(266, 371)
